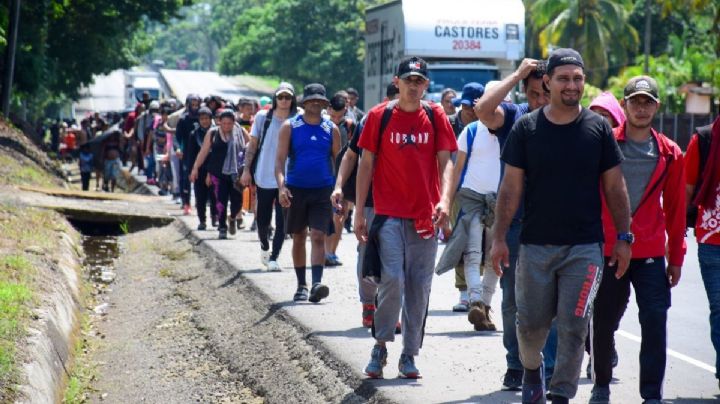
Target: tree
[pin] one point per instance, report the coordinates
(62, 43)
(300, 41)
(598, 29)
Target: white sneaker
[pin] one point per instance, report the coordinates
(273, 266)
(265, 257)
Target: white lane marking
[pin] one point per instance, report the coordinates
(672, 353)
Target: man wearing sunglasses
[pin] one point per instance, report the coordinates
(406, 145)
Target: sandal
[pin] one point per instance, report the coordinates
(301, 294)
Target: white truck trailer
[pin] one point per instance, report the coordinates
(137, 82)
(462, 41)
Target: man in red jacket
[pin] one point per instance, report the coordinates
(654, 173)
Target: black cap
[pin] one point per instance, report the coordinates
(314, 91)
(412, 66)
(644, 85)
(564, 56)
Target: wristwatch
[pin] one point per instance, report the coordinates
(628, 237)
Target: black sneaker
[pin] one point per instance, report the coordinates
(512, 381)
(318, 292)
(222, 234)
(202, 226)
(232, 226)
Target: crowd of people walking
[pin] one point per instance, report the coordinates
(567, 208)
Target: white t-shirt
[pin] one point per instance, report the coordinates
(483, 167)
(265, 169)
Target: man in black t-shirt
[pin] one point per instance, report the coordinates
(560, 156)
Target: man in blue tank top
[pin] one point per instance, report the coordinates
(308, 145)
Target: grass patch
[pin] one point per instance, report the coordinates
(15, 299)
(174, 254)
(83, 372)
(23, 172)
(165, 272)
(20, 227)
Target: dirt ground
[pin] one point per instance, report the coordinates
(183, 327)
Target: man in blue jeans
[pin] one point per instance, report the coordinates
(560, 258)
(702, 168)
(499, 117)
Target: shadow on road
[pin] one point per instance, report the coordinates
(465, 334)
(358, 332)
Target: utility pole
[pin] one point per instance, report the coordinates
(10, 56)
(648, 29)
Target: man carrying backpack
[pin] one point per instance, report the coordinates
(653, 169)
(702, 167)
(260, 168)
(476, 179)
(406, 145)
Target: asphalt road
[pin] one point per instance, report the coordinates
(460, 365)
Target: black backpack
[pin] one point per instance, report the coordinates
(704, 136)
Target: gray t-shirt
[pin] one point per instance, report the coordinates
(265, 169)
(638, 166)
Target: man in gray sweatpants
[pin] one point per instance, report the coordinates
(560, 156)
(405, 143)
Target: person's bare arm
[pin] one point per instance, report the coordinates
(488, 107)
(362, 185)
(347, 164)
(508, 201)
(246, 178)
(460, 161)
(336, 142)
(283, 148)
(618, 202)
(202, 155)
(445, 168)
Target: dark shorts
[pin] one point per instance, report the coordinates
(310, 207)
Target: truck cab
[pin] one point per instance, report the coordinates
(461, 40)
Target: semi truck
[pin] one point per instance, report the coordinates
(462, 40)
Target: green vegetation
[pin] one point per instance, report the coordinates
(83, 372)
(23, 172)
(62, 43)
(25, 233)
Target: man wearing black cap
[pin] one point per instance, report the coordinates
(559, 157)
(654, 172)
(260, 168)
(308, 146)
(185, 125)
(405, 143)
(499, 117)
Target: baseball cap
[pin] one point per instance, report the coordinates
(644, 85)
(564, 56)
(412, 66)
(314, 91)
(285, 87)
(154, 104)
(471, 91)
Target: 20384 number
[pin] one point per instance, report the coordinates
(465, 44)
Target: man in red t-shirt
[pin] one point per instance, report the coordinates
(707, 226)
(408, 162)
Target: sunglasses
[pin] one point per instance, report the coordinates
(284, 97)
